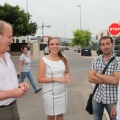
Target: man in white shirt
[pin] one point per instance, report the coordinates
(9, 87)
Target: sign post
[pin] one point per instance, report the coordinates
(114, 29)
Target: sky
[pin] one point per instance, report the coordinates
(63, 16)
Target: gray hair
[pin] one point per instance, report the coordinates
(2, 26)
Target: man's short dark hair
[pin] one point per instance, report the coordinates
(105, 37)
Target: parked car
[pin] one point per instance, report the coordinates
(99, 52)
(46, 51)
(117, 50)
(62, 48)
(66, 47)
(86, 51)
(76, 48)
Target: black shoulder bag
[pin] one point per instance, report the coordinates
(89, 107)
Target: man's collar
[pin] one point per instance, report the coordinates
(102, 56)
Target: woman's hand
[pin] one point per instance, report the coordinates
(67, 79)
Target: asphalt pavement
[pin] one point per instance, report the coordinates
(31, 104)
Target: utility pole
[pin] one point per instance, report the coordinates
(27, 22)
(48, 26)
(80, 15)
(65, 34)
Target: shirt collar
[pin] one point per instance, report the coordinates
(102, 57)
(7, 56)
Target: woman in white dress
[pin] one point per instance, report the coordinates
(53, 72)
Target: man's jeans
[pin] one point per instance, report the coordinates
(29, 76)
(98, 109)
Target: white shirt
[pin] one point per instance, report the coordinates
(26, 63)
(8, 77)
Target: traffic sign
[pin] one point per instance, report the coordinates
(114, 29)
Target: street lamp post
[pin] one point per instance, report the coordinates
(80, 15)
(97, 44)
(27, 21)
(48, 26)
(65, 33)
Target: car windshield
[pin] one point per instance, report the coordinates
(117, 47)
(86, 48)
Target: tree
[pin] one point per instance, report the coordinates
(81, 37)
(64, 43)
(19, 20)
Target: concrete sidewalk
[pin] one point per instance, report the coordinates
(94, 54)
(39, 56)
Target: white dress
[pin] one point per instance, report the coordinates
(54, 94)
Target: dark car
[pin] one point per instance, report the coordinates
(62, 48)
(86, 51)
(66, 47)
(117, 50)
(99, 52)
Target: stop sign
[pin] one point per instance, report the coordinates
(114, 29)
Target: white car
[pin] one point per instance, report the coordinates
(77, 48)
(46, 51)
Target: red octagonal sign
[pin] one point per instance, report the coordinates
(114, 29)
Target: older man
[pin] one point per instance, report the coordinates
(9, 87)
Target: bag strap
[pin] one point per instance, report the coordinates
(103, 72)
